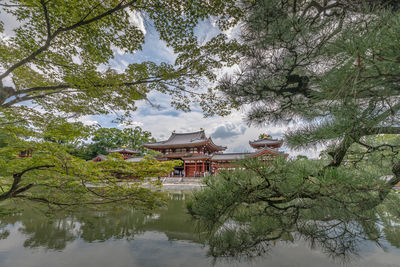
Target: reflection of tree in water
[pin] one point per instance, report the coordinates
(56, 230)
(390, 217)
(174, 222)
(331, 230)
(118, 224)
(126, 223)
(52, 234)
(4, 233)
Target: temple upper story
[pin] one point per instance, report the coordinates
(266, 142)
(186, 143)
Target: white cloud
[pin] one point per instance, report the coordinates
(118, 51)
(233, 33)
(123, 62)
(10, 23)
(228, 130)
(87, 120)
(137, 19)
(131, 124)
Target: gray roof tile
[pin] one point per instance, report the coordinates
(102, 157)
(266, 142)
(184, 139)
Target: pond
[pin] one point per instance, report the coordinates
(167, 237)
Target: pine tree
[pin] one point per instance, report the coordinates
(334, 66)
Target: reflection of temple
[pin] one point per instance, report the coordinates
(201, 156)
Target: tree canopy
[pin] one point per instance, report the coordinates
(58, 56)
(52, 176)
(103, 139)
(132, 138)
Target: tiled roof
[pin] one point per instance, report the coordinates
(266, 142)
(102, 157)
(177, 139)
(274, 151)
(182, 138)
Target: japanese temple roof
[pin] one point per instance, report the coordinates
(185, 139)
(102, 157)
(265, 150)
(266, 142)
(123, 150)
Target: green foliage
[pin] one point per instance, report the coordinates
(247, 210)
(337, 76)
(55, 177)
(55, 69)
(330, 66)
(99, 141)
(108, 138)
(59, 54)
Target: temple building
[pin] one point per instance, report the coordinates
(194, 149)
(201, 156)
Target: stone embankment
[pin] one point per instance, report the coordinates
(180, 183)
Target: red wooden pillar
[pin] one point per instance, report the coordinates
(195, 168)
(184, 167)
(203, 170)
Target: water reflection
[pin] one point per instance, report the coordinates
(55, 231)
(340, 232)
(169, 236)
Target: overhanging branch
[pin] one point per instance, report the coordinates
(60, 30)
(60, 88)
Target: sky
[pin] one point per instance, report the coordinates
(230, 131)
